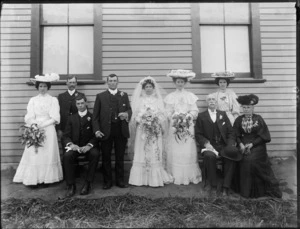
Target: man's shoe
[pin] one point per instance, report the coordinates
(107, 186)
(122, 185)
(225, 192)
(71, 191)
(86, 188)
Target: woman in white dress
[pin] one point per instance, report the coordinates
(226, 98)
(41, 166)
(147, 142)
(182, 159)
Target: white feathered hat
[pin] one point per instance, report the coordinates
(45, 78)
(181, 73)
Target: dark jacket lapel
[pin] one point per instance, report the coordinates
(219, 123)
(208, 116)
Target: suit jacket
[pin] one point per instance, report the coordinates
(102, 113)
(204, 128)
(67, 104)
(72, 131)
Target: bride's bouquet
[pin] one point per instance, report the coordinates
(150, 123)
(181, 126)
(32, 136)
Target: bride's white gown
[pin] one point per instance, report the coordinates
(182, 159)
(43, 166)
(147, 167)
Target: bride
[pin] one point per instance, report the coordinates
(147, 127)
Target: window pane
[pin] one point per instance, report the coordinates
(237, 48)
(211, 13)
(212, 48)
(55, 50)
(81, 50)
(81, 13)
(236, 12)
(55, 13)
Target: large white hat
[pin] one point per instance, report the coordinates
(45, 78)
(181, 73)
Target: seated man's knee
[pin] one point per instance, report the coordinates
(210, 155)
(69, 154)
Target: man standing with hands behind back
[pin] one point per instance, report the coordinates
(67, 104)
(111, 115)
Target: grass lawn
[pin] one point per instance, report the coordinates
(129, 211)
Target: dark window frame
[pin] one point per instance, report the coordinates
(255, 49)
(36, 48)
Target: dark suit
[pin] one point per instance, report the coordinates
(116, 131)
(219, 134)
(67, 104)
(79, 131)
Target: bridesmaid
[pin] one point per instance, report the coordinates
(226, 98)
(182, 160)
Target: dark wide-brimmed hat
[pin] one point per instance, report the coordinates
(232, 153)
(248, 99)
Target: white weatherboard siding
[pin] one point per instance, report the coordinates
(150, 39)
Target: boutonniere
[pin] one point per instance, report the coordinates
(220, 116)
(121, 93)
(76, 94)
(89, 118)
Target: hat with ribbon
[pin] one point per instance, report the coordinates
(250, 99)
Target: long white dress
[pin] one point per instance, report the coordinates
(147, 167)
(226, 101)
(182, 158)
(43, 166)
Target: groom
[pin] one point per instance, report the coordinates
(111, 115)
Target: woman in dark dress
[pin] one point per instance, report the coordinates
(256, 175)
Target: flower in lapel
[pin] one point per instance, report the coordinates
(89, 118)
(76, 94)
(220, 117)
(121, 93)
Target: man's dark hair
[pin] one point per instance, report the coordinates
(71, 77)
(112, 75)
(80, 97)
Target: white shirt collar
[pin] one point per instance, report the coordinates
(81, 114)
(113, 91)
(71, 92)
(213, 115)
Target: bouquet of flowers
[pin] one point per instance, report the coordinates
(150, 120)
(32, 136)
(181, 125)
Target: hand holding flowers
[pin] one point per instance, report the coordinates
(32, 136)
(150, 122)
(181, 126)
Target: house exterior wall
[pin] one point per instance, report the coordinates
(150, 39)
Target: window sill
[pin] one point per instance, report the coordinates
(79, 82)
(240, 80)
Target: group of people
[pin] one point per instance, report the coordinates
(165, 134)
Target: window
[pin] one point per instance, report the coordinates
(226, 36)
(66, 39)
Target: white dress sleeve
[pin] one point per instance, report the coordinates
(30, 115)
(194, 110)
(54, 111)
(235, 105)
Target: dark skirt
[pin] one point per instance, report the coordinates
(257, 178)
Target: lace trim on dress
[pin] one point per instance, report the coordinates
(184, 96)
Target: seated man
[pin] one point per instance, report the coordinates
(79, 139)
(214, 134)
